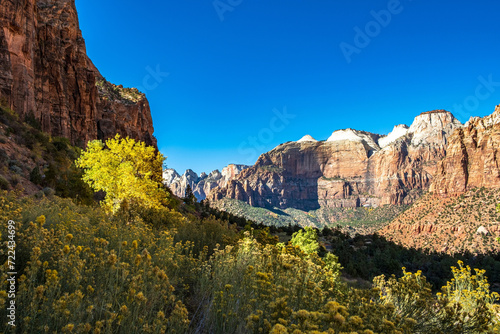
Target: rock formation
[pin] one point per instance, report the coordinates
(459, 213)
(46, 73)
(350, 169)
(472, 159)
(200, 185)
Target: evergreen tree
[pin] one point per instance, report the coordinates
(189, 197)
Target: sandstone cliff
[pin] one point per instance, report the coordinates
(350, 169)
(463, 195)
(472, 159)
(200, 185)
(45, 72)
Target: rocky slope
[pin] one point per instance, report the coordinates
(200, 185)
(350, 169)
(464, 193)
(469, 222)
(46, 73)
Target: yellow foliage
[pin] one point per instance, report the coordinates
(82, 271)
(79, 276)
(465, 306)
(129, 172)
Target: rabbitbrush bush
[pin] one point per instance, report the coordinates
(465, 306)
(252, 288)
(84, 271)
(87, 274)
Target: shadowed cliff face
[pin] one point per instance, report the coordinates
(45, 71)
(351, 169)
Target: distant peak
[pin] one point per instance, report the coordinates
(399, 131)
(355, 136)
(170, 176)
(437, 111)
(345, 134)
(487, 121)
(401, 126)
(190, 172)
(306, 138)
(432, 127)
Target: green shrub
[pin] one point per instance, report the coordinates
(35, 175)
(30, 119)
(15, 180)
(15, 166)
(49, 191)
(306, 239)
(4, 158)
(4, 184)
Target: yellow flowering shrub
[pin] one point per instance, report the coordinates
(465, 306)
(86, 273)
(468, 295)
(272, 288)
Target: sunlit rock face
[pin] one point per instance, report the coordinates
(350, 169)
(200, 185)
(472, 157)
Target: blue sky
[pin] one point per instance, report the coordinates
(230, 79)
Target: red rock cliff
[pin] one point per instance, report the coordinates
(464, 194)
(472, 159)
(45, 71)
(350, 169)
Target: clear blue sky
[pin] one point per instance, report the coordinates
(229, 67)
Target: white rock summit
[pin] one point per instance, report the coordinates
(399, 131)
(354, 135)
(430, 128)
(170, 176)
(306, 138)
(433, 127)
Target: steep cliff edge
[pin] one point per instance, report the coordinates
(472, 159)
(45, 72)
(350, 169)
(459, 214)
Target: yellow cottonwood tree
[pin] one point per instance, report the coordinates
(127, 170)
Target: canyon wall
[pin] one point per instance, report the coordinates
(350, 169)
(45, 73)
(472, 159)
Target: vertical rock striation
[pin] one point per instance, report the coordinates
(472, 159)
(45, 72)
(350, 169)
(200, 185)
